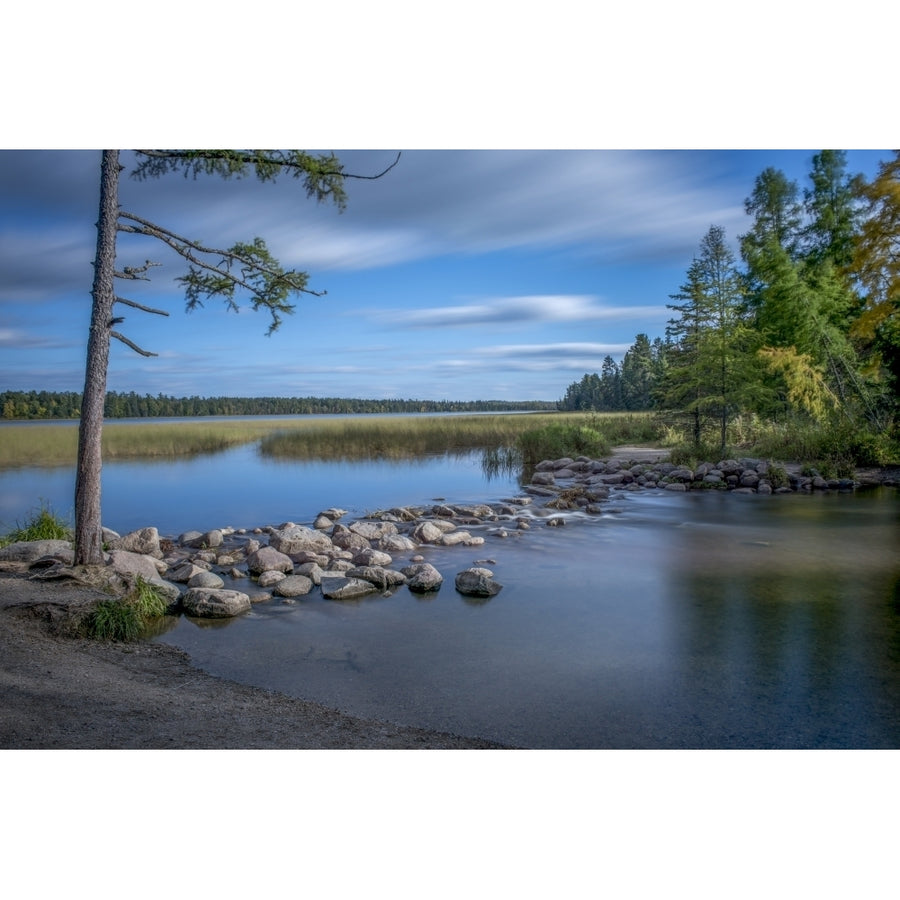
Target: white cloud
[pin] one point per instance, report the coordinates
(548, 308)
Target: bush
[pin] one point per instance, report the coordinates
(44, 525)
(126, 618)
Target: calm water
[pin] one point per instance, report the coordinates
(690, 621)
(697, 620)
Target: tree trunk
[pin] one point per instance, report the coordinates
(88, 522)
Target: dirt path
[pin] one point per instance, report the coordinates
(64, 693)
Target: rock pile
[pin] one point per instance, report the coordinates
(221, 573)
(585, 482)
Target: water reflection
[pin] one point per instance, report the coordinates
(672, 622)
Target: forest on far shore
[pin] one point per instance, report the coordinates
(20, 405)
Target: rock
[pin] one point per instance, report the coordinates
(543, 478)
(370, 557)
(30, 551)
(267, 558)
(427, 533)
(323, 523)
(382, 578)
(676, 486)
(343, 588)
(312, 570)
(170, 591)
(293, 586)
(349, 540)
(423, 577)
(205, 580)
(394, 543)
(201, 540)
(451, 539)
(374, 531)
(270, 577)
(144, 541)
(125, 563)
(214, 604)
(295, 538)
(477, 582)
(184, 572)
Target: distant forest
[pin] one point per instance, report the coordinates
(67, 405)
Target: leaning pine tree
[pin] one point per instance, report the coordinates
(246, 268)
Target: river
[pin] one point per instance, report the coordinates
(699, 620)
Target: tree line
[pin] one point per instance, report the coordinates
(15, 405)
(805, 327)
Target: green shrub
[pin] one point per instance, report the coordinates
(44, 525)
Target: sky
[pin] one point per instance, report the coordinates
(458, 275)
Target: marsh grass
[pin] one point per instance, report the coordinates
(127, 618)
(338, 438)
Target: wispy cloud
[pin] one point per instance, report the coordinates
(517, 310)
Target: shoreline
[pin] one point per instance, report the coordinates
(62, 693)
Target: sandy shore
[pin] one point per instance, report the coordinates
(58, 692)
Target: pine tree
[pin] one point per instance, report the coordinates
(245, 268)
(708, 375)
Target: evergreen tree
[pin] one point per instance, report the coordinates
(709, 364)
(831, 207)
(246, 267)
(876, 264)
(637, 375)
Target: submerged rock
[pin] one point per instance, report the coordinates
(343, 588)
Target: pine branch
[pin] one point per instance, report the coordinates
(124, 340)
(140, 306)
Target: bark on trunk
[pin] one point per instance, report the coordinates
(88, 521)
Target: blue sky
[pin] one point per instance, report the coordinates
(462, 275)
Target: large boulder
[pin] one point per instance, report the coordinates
(144, 541)
(29, 551)
(134, 564)
(267, 558)
(297, 538)
(214, 604)
(372, 531)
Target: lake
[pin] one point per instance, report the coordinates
(699, 620)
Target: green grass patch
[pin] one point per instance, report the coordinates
(44, 525)
(591, 435)
(126, 618)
